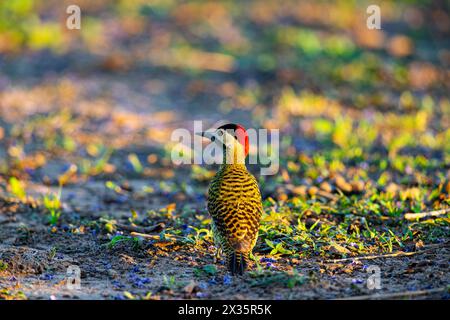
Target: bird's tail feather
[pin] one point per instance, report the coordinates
(237, 262)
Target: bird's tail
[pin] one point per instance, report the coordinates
(237, 262)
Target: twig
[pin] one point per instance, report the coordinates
(154, 236)
(395, 294)
(156, 228)
(414, 216)
(8, 220)
(327, 195)
(144, 235)
(391, 255)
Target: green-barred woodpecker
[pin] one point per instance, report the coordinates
(234, 199)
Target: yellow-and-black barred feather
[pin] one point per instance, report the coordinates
(234, 203)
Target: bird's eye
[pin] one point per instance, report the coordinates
(213, 138)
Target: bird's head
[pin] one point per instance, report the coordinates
(233, 138)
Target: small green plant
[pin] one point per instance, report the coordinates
(95, 166)
(52, 253)
(201, 234)
(209, 270)
(3, 265)
(52, 203)
(171, 283)
(135, 242)
(277, 248)
(16, 187)
(135, 163)
(109, 224)
(113, 186)
(6, 294)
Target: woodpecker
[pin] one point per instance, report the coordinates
(234, 199)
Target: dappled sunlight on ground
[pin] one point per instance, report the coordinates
(364, 128)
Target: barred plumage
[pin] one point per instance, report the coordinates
(234, 202)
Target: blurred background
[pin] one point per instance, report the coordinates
(363, 105)
(86, 118)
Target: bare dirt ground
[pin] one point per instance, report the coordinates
(38, 260)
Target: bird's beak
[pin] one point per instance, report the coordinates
(206, 134)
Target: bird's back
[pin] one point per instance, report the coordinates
(234, 202)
